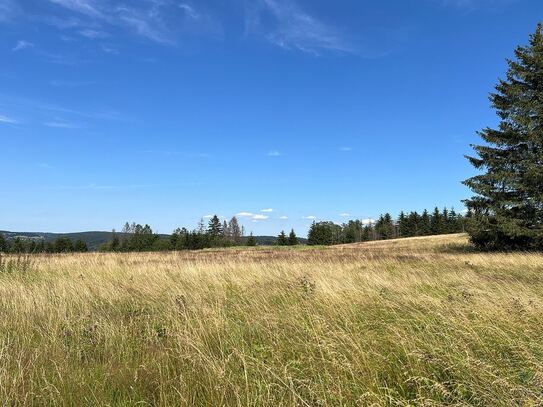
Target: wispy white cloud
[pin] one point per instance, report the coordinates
(368, 221)
(189, 11)
(157, 20)
(245, 214)
(59, 124)
(93, 115)
(86, 7)
(208, 216)
(58, 83)
(41, 113)
(147, 25)
(283, 217)
(56, 58)
(22, 44)
(93, 34)
(345, 149)
(267, 210)
(274, 153)
(344, 214)
(310, 217)
(7, 120)
(106, 187)
(252, 216)
(286, 24)
(110, 50)
(8, 10)
(62, 23)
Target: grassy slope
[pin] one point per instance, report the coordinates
(413, 321)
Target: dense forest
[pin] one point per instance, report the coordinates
(385, 227)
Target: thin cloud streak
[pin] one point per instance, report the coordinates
(7, 120)
(93, 34)
(152, 20)
(22, 44)
(292, 27)
(71, 84)
(105, 187)
(189, 11)
(8, 10)
(55, 116)
(85, 7)
(62, 125)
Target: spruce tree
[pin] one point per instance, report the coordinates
(385, 227)
(507, 210)
(425, 224)
(282, 239)
(445, 222)
(292, 238)
(435, 222)
(413, 222)
(404, 225)
(453, 222)
(251, 241)
(214, 228)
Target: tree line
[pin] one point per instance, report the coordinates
(139, 238)
(28, 245)
(385, 227)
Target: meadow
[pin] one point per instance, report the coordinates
(420, 321)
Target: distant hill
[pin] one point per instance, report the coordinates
(95, 239)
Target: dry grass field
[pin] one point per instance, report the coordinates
(422, 321)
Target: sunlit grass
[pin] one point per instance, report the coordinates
(421, 321)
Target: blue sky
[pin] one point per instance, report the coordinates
(282, 111)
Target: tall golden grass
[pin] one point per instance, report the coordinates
(422, 321)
